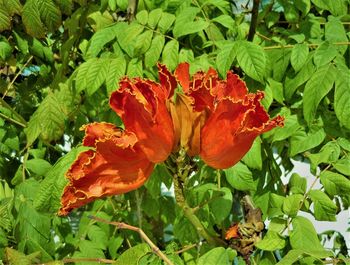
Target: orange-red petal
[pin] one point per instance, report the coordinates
(232, 232)
(116, 165)
(167, 80)
(142, 106)
(231, 129)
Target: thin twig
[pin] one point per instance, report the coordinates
(15, 114)
(142, 234)
(99, 260)
(310, 45)
(254, 20)
(12, 120)
(184, 249)
(16, 76)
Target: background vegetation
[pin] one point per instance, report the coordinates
(60, 60)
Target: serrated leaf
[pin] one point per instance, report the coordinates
(342, 98)
(91, 75)
(154, 17)
(127, 35)
(142, 17)
(271, 242)
(170, 55)
(51, 188)
(165, 22)
(302, 141)
(251, 57)
(13, 7)
(185, 24)
(99, 40)
(225, 58)
(50, 14)
(47, 121)
(134, 68)
(304, 236)
(153, 54)
(299, 56)
(334, 183)
(66, 6)
(316, 89)
(324, 208)
(117, 69)
(143, 42)
(5, 19)
(31, 19)
(240, 177)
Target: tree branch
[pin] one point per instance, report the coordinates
(254, 20)
(142, 234)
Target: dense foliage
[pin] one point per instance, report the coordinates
(61, 59)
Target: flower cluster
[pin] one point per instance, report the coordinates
(213, 118)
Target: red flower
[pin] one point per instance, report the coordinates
(216, 119)
(235, 117)
(115, 165)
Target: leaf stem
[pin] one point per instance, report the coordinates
(142, 234)
(15, 114)
(12, 120)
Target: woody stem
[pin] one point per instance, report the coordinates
(190, 213)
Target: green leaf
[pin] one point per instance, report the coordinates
(251, 57)
(344, 143)
(316, 89)
(217, 255)
(66, 6)
(134, 68)
(225, 20)
(343, 166)
(303, 5)
(47, 121)
(51, 188)
(50, 14)
(184, 24)
(277, 90)
(170, 55)
(334, 183)
(329, 153)
(304, 236)
(335, 32)
(342, 98)
(99, 40)
(271, 242)
(5, 19)
(324, 208)
(336, 7)
(153, 54)
(240, 177)
(165, 22)
(91, 75)
(302, 141)
(116, 71)
(31, 19)
(5, 49)
(143, 42)
(292, 204)
(324, 54)
(297, 184)
(292, 256)
(275, 205)
(127, 35)
(225, 57)
(154, 16)
(142, 17)
(253, 158)
(38, 166)
(13, 7)
(299, 56)
(221, 206)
